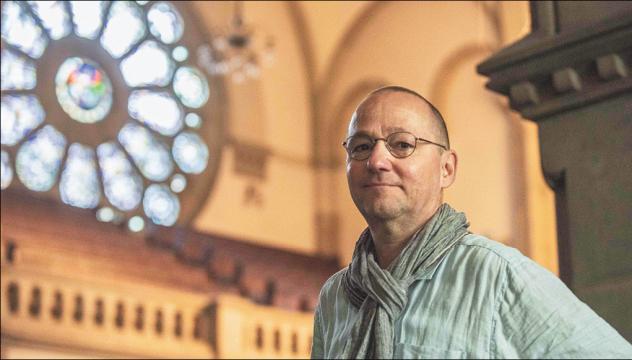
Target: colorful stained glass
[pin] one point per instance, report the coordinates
(6, 173)
(161, 205)
(123, 29)
(191, 87)
(39, 158)
(148, 65)
(84, 90)
(53, 16)
(20, 115)
(149, 154)
(165, 23)
(20, 30)
(122, 185)
(79, 184)
(87, 16)
(190, 152)
(18, 73)
(158, 110)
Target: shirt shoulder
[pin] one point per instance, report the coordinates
(485, 247)
(479, 257)
(332, 288)
(537, 315)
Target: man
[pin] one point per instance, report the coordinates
(419, 284)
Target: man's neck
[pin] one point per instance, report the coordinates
(390, 237)
(389, 240)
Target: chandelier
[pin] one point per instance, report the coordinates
(236, 51)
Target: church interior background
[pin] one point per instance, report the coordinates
(172, 177)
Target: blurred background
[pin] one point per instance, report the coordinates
(173, 179)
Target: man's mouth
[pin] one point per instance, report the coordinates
(378, 184)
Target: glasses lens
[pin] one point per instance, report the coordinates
(359, 147)
(401, 144)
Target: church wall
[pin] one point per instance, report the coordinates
(264, 192)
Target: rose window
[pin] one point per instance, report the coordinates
(104, 109)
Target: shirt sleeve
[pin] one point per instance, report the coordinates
(318, 351)
(539, 317)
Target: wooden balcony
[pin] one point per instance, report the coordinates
(74, 287)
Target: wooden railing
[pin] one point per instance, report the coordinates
(248, 330)
(103, 317)
(80, 313)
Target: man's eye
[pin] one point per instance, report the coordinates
(403, 145)
(361, 147)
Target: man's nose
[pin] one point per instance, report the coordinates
(380, 158)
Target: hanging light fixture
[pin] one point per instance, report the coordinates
(236, 52)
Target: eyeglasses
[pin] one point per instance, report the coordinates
(399, 144)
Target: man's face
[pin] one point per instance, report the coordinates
(384, 187)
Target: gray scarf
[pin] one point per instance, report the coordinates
(381, 295)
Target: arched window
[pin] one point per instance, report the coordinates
(103, 106)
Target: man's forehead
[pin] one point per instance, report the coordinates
(391, 112)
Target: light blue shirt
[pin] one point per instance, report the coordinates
(483, 300)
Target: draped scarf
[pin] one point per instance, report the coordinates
(381, 294)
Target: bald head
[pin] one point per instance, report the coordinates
(438, 124)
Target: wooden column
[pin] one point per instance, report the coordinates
(571, 75)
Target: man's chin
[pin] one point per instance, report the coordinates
(381, 212)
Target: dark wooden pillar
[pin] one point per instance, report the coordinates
(572, 76)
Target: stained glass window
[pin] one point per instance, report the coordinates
(18, 73)
(53, 17)
(193, 120)
(144, 162)
(123, 29)
(87, 16)
(6, 173)
(191, 87)
(40, 157)
(178, 183)
(180, 53)
(149, 154)
(79, 184)
(84, 90)
(148, 65)
(158, 110)
(20, 30)
(122, 184)
(20, 115)
(190, 153)
(161, 205)
(165, 22)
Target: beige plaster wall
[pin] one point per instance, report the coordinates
(272, 113)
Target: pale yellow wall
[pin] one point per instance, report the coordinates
(273, 113)
(327, 22)
(480, 134)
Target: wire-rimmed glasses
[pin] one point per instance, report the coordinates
(400, 144)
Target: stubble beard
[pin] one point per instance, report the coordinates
(380, 209)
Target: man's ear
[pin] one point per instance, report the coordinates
(449, 161)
